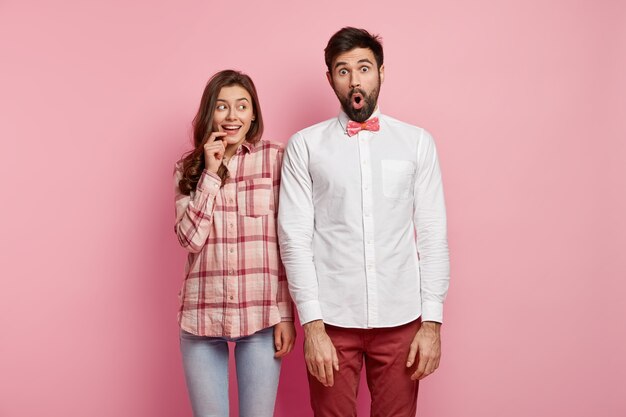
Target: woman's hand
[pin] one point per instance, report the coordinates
(284, 338)
(214, 149)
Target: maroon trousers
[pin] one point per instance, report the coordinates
(384, 352)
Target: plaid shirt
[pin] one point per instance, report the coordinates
(235, 283)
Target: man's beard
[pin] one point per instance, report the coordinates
(369, 100)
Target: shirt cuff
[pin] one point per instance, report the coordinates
(432, 311)
(209, 182)
(286, 311)
(309, 311)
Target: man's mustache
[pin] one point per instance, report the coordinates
(357, 90)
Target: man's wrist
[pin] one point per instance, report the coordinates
(313, 327)
(431, 325)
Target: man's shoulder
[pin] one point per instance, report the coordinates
(411, 133)
(318, 127)
(399, 124)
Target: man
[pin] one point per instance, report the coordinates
(361, 198)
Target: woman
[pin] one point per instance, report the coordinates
(235, 287)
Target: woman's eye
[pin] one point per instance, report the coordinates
(221, 107)
(242, 107)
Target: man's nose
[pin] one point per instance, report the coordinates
(355, 80)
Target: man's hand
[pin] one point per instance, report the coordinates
(284, 338)
(319, 353)
(426, 343)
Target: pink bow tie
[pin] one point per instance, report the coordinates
(356, 127)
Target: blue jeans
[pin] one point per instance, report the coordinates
(205, 362)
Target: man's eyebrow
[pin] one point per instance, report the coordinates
(360, 61)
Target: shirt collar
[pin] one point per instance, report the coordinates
(245, 145)
(344, 119)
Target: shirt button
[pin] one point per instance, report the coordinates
(231, 250)
(232, 271)
(230, 297)
(230, 200)
(230, 225)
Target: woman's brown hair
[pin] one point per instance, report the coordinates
(193, 161)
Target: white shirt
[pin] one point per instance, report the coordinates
(349, 212)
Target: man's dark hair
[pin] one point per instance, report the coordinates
(349, 38)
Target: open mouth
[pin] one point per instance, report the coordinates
(231, 129)
(357, 101)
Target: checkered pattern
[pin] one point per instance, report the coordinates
(235, 283)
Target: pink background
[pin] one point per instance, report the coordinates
(526, 100)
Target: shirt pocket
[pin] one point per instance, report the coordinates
(254, 197)
(398, 178)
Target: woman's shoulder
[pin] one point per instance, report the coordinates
(270, 145)
(269, 148)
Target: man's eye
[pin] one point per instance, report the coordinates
(343, 72)
(365, 69)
